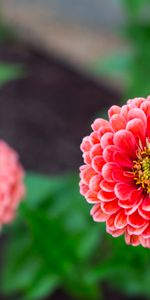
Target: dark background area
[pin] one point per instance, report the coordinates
(45, 114)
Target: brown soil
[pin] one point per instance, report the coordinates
(46, 114)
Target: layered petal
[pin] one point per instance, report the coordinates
(12, 188)
(97, 214)
(115, 176)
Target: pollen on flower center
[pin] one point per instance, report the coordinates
(141, 168)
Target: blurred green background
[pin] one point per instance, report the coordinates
(53, 243)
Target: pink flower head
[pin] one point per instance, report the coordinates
(11, 183)
(115, 177)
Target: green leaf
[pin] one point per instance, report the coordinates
(41, 189)
(115, 66)
(20, 264)
(42, 286)
(10, 72)
(84, 290)
(48, 248)
(107, 269)
(135, 7)
(24, 270)
(60, 240)
(90, 241)
(6, 31)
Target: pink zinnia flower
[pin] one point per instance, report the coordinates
(11, 183)
(115, 176)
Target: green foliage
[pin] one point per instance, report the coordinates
(6, 32)
(139, 35)
(54, 243)
(9, 72)
(135, 261)
(115, 66)
(134, 7)
(131, 67)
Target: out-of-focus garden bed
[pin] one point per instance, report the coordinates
(44, 114)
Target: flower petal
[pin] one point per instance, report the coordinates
(146, 203)
(138, 129)
(94, 183)
(117, 122)
(91, 197)
(136, 197)
(97, 163)
(115, 109)
(110, 207)
(115, 233)
(103, 130)
(145, 106)
(109, 152)
(87, 158)
(110, 222)
(148, 126)
(125, 140)
(98, 123)
(123, 190)
(146, 233)
(124, 111)
(136, 220)
(97, 214)
(132, 239)
(122, 159)
(107, 171)
(145, 242)
(96, 150)
(105, 196)
(120, 175)
(107, 186)
(107, 139)
(137, 113)
(86, 174)
(120, 220)
(143, 213)
(83, 188)
(137, 231)
(86, 144)
(94, 138)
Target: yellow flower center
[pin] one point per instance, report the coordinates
(141, 168)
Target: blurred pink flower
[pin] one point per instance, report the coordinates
(115, 177)
(12, 188)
